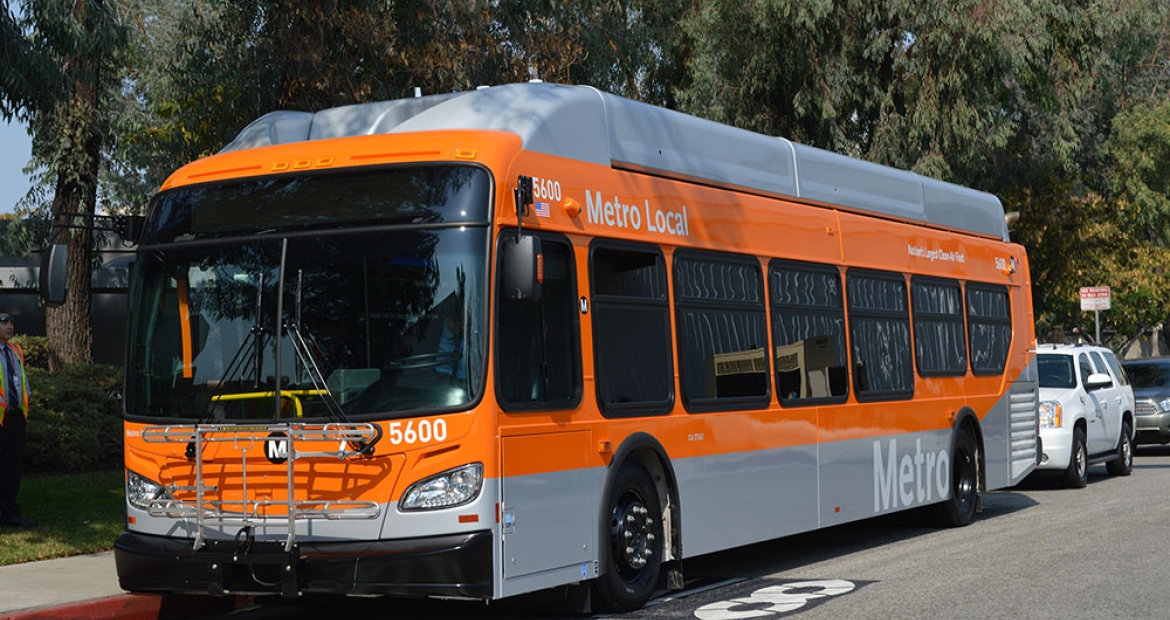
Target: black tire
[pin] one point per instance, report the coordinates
(960, 508)
(633, 556)
(1123, 464)
(1077, 474)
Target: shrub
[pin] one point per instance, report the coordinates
(36, 350)
(75, 419)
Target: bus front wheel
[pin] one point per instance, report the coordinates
(634, 551)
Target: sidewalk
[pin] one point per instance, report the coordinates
(86, 587)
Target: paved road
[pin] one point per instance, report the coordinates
(1036, 552)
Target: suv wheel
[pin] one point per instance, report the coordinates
(1077, 474)
(1123, 464)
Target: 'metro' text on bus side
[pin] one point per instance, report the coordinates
(619, 215)
(910, 478)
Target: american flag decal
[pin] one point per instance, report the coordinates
(543, 209)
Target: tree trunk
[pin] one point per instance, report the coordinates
(69, 327)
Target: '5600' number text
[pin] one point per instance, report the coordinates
(417, 431)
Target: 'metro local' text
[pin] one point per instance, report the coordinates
(617, 214)
(901, 480)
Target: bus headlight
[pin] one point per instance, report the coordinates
(450, 488)
(141, 491)
(1049, 414)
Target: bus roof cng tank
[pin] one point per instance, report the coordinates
(583, 123)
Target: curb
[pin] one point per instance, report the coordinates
(132, 607)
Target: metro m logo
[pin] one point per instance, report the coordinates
(276, 447)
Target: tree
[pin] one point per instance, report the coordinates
(62, 68)
(1140, 148)
(632, 48)
(1075, 241)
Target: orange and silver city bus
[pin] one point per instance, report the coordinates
(482, 344)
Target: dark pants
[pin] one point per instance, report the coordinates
(12, 439)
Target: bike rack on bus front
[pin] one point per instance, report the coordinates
(248, 514)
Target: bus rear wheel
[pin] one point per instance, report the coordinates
(633, 557)
(959, 509)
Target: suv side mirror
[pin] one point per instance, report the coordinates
(1097, 381)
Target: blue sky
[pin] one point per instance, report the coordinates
(15, 150)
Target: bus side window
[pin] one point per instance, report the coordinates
(538, 351)
(989, 325)
(879, 324)
(722, 331)
(939, 344)
(808, 331)
(632, 356)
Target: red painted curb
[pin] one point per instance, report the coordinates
(131, 607)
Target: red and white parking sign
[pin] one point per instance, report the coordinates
(1095, 298)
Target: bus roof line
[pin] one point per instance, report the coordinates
(566, 121)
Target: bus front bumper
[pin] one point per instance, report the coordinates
(451, 566)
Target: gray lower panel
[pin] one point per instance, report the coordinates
(736, 499)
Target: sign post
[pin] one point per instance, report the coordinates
(1096, 298)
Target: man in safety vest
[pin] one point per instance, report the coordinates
(13, 422)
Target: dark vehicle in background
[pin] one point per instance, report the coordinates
(1151, 387)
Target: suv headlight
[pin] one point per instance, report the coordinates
(1163, 405)
(141, 491)
(1050, 414)
(450, 488)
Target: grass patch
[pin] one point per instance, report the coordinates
(76, 514)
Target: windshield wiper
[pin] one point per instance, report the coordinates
(312, 368)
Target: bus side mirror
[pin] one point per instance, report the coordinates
(129, 227)
(521, 268)
(51, 279)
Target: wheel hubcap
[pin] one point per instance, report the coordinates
(633, 535)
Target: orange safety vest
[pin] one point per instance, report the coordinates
(23, 385)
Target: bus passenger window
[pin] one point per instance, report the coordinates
(722, 331)
(989, 324)
(939, 345)
(879, 330)
(808, 331)
(631, 330)
(538, 353)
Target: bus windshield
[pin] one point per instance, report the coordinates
(356, 321)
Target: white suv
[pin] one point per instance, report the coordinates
(1086, 412)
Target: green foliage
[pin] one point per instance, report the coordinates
(1140, 146)
(36, 350)
(75, 419)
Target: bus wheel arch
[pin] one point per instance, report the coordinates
(640, 486)
(967, 474)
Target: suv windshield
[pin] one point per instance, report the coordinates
(383, 319)
(1056, 371)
